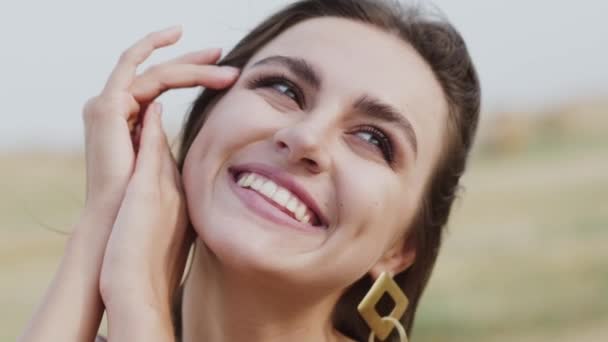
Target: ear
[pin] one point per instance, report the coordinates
(396, 259)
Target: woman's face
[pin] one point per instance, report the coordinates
(332, 129)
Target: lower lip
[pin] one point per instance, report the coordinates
(258, 204)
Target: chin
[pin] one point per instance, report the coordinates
(248, 249)
(249, 246)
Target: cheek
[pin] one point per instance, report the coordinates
(364, 197)
(368, 219)
(377, 203)
(240, 117)
(237, 119)
(234, 121)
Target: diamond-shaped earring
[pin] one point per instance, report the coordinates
(382, 326)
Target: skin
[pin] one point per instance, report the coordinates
(275, 282)
(73, 304)
(251, 279)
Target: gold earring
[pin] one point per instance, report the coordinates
(382, 326)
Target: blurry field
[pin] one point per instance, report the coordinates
(525, 258)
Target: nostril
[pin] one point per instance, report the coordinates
(281, 144)
(310, 162)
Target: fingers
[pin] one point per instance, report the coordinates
(207, 56)
(100, 106)
(162, 77)
(168, 169)
(124, 72)
(155, 162)
(148, 164)
(189, 70)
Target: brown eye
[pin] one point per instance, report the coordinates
(379, 139)
(280, 84)
(285, 89)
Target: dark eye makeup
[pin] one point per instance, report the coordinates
(289, 89)
(379, 139)
(285, 87)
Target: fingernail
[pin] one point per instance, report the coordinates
(230, 71)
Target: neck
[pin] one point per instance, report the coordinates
(225, 306)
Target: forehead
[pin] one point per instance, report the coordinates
(355, 58)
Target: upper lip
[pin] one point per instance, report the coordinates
(285, 180)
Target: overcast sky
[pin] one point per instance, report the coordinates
(56, 54)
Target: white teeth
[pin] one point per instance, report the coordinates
(292, 204)
(300, 211)
(278, 194)
(306, 218)
(248, 179)
(268, 189)
(257, 183)
(281, 196)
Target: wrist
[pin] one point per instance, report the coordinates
(102, 208)
(87, 242)
(131, 295)
(91, 232)
(139, 320)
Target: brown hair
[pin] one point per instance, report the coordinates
(442, 47)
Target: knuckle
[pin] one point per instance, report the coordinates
(157, 70)
(129, 55)
(91, 107)
(90, 104)
(124, 56)
(104, 105)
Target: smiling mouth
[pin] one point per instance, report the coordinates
(278, 196)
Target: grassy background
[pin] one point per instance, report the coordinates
(524, 258)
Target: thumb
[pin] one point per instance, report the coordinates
(149, 156)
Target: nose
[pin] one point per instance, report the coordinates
(304, 144)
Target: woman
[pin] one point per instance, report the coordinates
(324, 154)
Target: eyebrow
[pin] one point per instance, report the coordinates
(300, 67)
(377, 109)
(368, 105)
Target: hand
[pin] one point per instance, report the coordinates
(72, 307)
(112, 119)
(113, 122)
(146, 254)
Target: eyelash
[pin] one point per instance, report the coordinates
(267, 81)
(386, 146)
